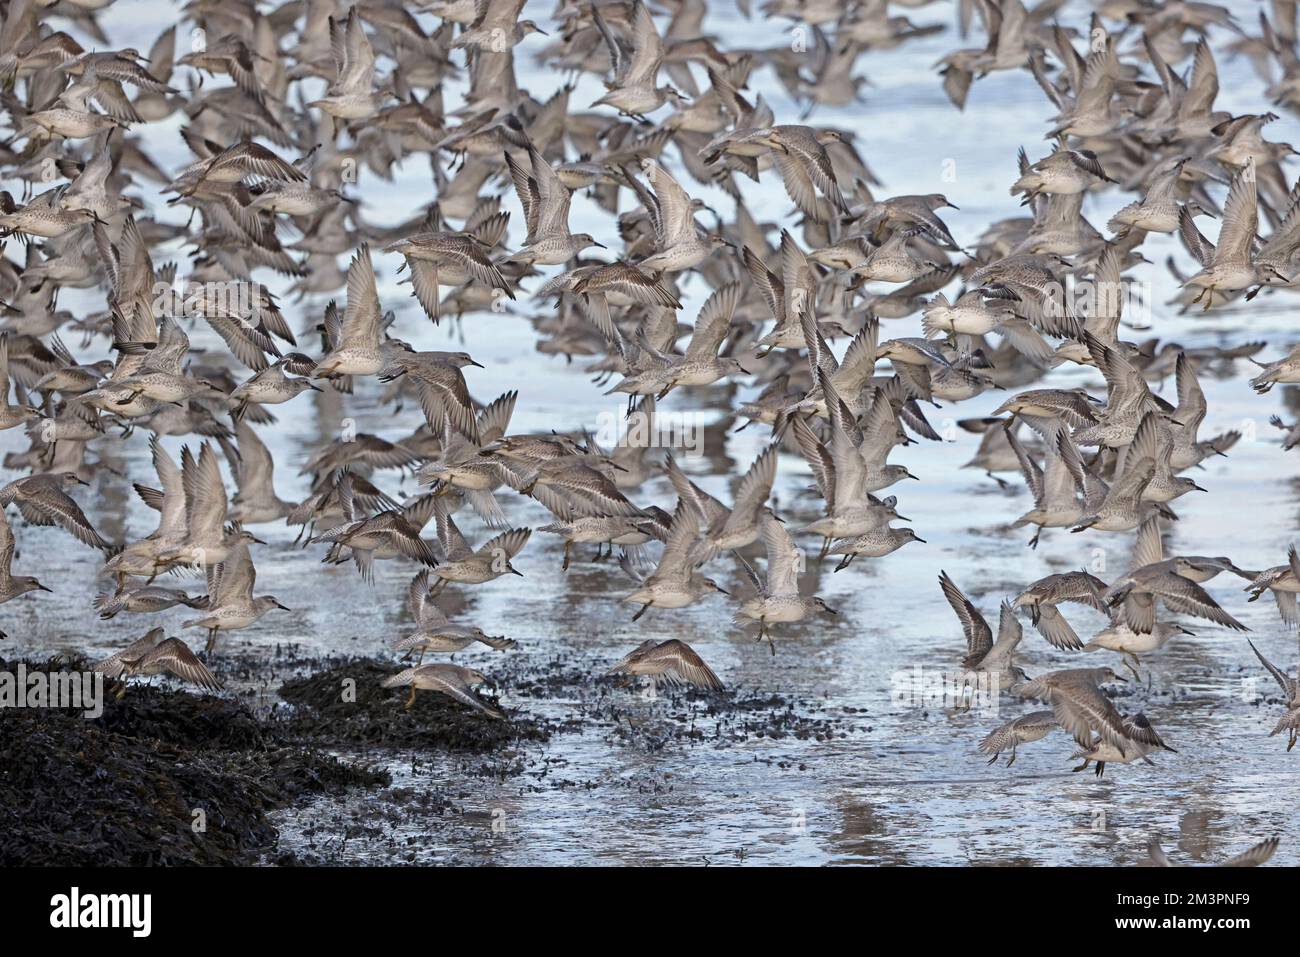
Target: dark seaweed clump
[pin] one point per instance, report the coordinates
(680, 715)
(373, 715)
(123, 789)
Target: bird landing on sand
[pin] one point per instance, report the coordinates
(452, 680)
(155, 655)
(674, 661)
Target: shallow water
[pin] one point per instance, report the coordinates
(886, 782)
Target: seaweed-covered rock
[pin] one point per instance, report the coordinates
(160, 778)
(346, 702)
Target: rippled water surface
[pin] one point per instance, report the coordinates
(873, 780)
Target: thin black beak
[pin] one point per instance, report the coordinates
(477, 365)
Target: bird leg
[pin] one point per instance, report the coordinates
(826, 547)
(1131, 666)
(1002, 483)
(644, 609)
(1209, 299)
(564, 566)
(1101, 768)
(212, 641)
(1012, 760)
(1033, 542)
(845, 562)
(1137, 664)
(410, 699)
(962, 704)
(1084, 766)
(122, 691)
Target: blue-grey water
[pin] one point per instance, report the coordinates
(889, 781)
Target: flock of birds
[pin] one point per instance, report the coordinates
(273, 189)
